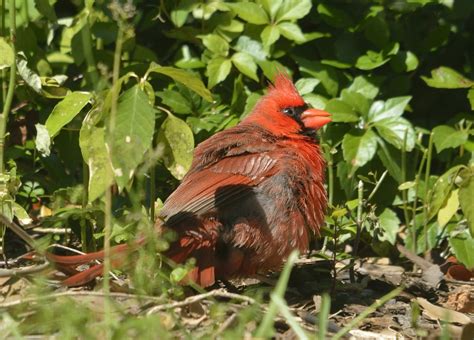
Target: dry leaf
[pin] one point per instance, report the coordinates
(440, 313)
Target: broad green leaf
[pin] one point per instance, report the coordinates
(392, 108)
(175, 101)
(271, 7)
(393, 130)
(292, 32)
(180, 13)
(315, 100)
(359, 147)
(45, 8)
(390, 159)
(184, 77)
(293, 10)
(371, 60)
(217, 70)
(441, 190)
(470, 96)
(6, 54)
(216, 44)
(404, 61)
(269, 35)
(326, 74)
(364, 86)
(463, 248)
(466, 196)
(334, 16)
(133, 133)
(407, 185)
(43, 140)
(445, 137)
(21, 214)
(176, 140)
(446, 213)
(356, 100)
(390, 225)
(446, 78)
(306, 85)
(96, 156)
(245, 64)
(250, 12)
(341, 111)
(252, 47)
(66, 110)
(377, 31)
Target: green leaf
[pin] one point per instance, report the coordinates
(6, 54)
(293, 10)
(463, 248)
(470, 96)
(446, 213)
(133, 133)
(180, 13)
(271, 7)
(404, 61)
(466, 196)
(175, 101)
(393, 131)
(45, 8)
(356, 100)
(326, 74)
(250, 12)
(66, 110)
(364, 86)
(176, 140)
(359, 147)
(184, 77)
(245, 64)
(392, 108)
(43, 140)
(269, 35)
(445, 137)
(440, 190)
(341, 111)
(390, 224)
(252, 47)
(291, 31)
(217, 70)
(377, 31)
(216, 44)
(315, 100)
(446, 78)
(96, 156)
(334, 16)
(306, 85)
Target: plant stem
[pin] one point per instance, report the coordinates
(2, 34)
(415, 202)
(109, 192)
(89, 55)
(360, 205)
(425, 199)
(152, 193)
(330, 179)
(11, 88)
(404, 179)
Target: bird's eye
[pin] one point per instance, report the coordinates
(290, 111)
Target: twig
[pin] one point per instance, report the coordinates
(79, 293)
(24, 270)
(18, 230)
(42, 230)
(225, 324)
(192, 299)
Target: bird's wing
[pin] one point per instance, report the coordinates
(221, 183)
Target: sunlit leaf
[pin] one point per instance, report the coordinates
(449, 209)
(43, 140)
(132, 135)
(293, 9)
(445, 137)
(250, 12)
(6, 54)
(359, 147)
(446, 78)
(245, 64)
(66, 110)
(463, 248)
(217, 70)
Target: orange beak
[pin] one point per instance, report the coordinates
(315, 119)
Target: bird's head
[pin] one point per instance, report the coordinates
(283, 111)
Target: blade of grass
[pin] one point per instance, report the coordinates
(290, 319)
(324, 316)
(266, 330)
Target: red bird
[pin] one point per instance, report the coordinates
(253, 194)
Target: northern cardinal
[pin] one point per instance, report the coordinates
(253, 194)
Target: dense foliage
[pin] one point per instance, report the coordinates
(117, 93)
